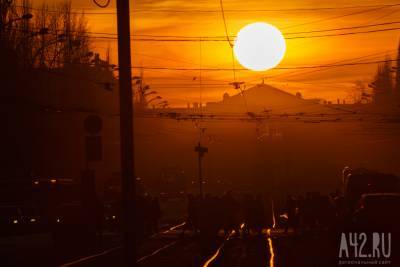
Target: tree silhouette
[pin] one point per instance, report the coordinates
(40, 38)
(382, 85)
(360, 94)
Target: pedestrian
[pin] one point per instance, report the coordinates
(259, 214)
(155, 214)
(290, 209)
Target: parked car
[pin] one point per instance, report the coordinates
(357, 182)
(15, 219)
(378, 212)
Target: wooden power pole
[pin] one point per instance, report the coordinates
(201, 150)
(126, 133)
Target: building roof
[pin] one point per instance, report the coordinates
(266, 98)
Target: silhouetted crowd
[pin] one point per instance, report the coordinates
(245, 213)
(310, 212)
(211, 214)
(149, 211)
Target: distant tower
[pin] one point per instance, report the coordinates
(225, 97)
(195, 105)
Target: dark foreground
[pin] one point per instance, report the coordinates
(169, 248)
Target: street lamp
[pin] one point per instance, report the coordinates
(372, 85)
(27, 16)
(150, 93)
(163, 104)
(60, 38)
(154, 98)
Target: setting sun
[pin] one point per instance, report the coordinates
(259, 46)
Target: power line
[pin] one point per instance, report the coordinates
(226, 37)
(218, 85)
(221, 40)
(313, 71)
(382, 16)
(300, 117)
(344, 28)
(87, 11)
(329, 65)
(279, 68)
(343, 34)
(340, 16)
(297, 73)
(225, 26)
(264, 10)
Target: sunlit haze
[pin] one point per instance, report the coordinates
(203, 19)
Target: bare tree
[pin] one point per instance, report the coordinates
(45, 39)
(382, 84)
(360, 93)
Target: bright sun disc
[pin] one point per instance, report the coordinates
(259, 46)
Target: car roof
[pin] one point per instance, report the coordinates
(10, 207)
(380, 195)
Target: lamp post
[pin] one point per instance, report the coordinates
(60, 38)
(150, 93)
(163, 104)
(154, 98)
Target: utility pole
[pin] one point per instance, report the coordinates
(201, 150)
(126, 133)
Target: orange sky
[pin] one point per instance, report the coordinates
(179, 87)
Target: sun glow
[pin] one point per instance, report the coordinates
(259, 46)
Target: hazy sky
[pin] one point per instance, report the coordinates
(180, 87)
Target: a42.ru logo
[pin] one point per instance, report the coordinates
(363, 245)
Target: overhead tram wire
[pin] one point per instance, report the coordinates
(213, 117)
(243, 69)
(343, 34)
(352, 60)
(224, 37)
(340, 16)
(368, 24)
(87, 11)
(343, 28)
(279, 68)
(289, 78)
(263, 10)
(219, 85)
(283, 116)
(381, 17)
(228, 40)
(236, 84)
(182, 38)
(221, 40)
(333, 18)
